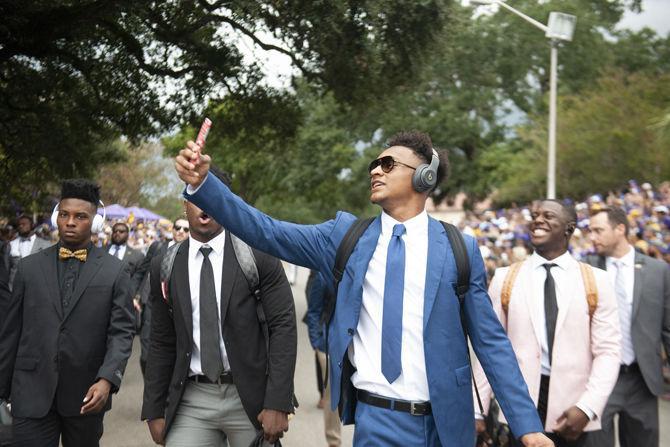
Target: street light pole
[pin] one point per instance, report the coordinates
(560, 27)
(551, 161)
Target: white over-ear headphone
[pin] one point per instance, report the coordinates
(98, 220)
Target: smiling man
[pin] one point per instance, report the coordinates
(398, 358)
(68, 331)
(567, 345)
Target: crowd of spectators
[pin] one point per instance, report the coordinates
(142, 233)
(503, 233)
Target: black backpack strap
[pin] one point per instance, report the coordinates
(344, 250)
(247, 261)
(347, 246)
(462, 286)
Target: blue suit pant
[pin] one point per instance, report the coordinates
(380, 427)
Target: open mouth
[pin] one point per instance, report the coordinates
(539, 232)
(204, 219)
(376, 184)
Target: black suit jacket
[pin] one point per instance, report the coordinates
(46, 353)
(133, 259)
(172, 337)
(158, 248)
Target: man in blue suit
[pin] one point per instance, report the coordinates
(399, 361)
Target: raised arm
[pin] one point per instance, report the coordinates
(311, 246)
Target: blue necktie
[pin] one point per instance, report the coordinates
(394, 286)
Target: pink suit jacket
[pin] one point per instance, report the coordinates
(586, 354)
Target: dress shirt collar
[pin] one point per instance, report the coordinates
(564, 262)
(628, 260)
(217, 245)
(415, 225)
(30, 238)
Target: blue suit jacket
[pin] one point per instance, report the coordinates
(447, 368)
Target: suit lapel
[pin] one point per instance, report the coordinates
(533, 301)
(180, 287)
(637, 283)
(227, 276)
(437, 256)
(50, 271)
(359, 261)
(568, 294)
(86, 274)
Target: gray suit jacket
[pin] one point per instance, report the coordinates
(39, 245)
(650, 327)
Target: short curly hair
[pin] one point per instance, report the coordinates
(422, 145)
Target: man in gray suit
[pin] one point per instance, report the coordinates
(642, 286)
(26, 243)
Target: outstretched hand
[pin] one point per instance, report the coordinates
(192, 165)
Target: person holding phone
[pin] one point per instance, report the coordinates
(398, 358)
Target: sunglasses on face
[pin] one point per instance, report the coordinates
(178, 228)
(387, 164)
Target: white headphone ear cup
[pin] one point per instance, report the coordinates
(97, 225)
(54, 217)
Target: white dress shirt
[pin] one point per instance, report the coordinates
(365, 352)
(565, 274)
(118, 251)
(628, 261)
(195, 259)
(21, 247)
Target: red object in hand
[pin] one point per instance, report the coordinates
(202, 135)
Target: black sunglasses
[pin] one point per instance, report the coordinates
(177, 228)
(387, 163)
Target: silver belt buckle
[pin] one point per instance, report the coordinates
(412, 409)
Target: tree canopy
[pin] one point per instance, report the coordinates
(76, 75)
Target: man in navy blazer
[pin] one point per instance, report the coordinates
(398, 359)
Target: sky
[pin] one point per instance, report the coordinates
(655, 15)
(277, 67)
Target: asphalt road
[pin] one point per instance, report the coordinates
(123, 427)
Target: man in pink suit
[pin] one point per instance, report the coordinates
(568, 348)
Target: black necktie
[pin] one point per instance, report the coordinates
(550, 307)
(210, 353)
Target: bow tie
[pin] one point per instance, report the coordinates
(64, 253)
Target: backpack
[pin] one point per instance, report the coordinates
(247, 261)
(587, 276)
(347, 246)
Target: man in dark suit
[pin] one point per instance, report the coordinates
(132, 258)
(398, 360)
(26, 243)
(209, 377)
(642, 286)
(68, 331)
(142, 302)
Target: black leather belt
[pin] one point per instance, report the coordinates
(226, 377)
(625, 369)
(413, 408)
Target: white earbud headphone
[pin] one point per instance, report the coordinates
(98, 220)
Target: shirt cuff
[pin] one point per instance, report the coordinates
(190, 190)
(587, 411)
